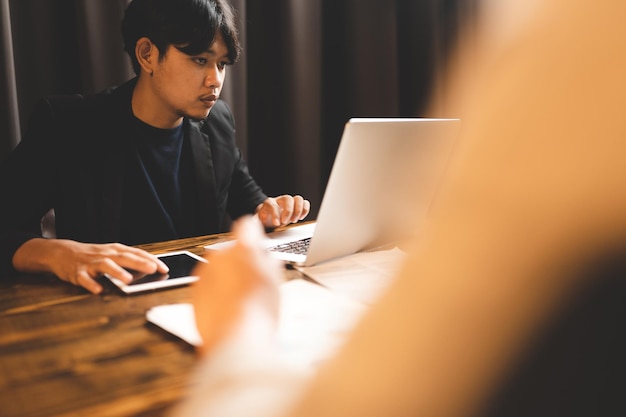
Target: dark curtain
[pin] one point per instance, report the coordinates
(58, 47)
(308, 66)
(313, 65)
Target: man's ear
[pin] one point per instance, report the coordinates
(147, 55)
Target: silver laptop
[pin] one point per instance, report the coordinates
(383, 181)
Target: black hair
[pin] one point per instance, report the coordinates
(189, 25)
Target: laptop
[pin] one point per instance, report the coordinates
(383, 180)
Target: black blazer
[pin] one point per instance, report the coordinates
(71, 159)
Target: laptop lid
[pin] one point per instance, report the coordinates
(384, 178)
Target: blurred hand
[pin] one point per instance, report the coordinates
(81, 263)
(282, 210)
(232, 279)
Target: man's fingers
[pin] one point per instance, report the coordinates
(306, 208)
(269, 212)
(301, 208)
(294, 208)
(283, 210)
(84, 280)
(140, 260)
(287, 204)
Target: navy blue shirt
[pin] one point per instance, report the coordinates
(159, 190)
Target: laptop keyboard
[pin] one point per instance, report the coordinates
(297, 246)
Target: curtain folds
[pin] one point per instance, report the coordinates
(10, 120)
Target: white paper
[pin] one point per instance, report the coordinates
(313, 321)
(177, 319)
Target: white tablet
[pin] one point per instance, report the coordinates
(180, 263)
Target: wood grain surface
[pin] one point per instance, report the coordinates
(65, 352)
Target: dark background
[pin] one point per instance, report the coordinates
(308, 66)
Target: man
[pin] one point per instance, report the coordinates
(151, 160)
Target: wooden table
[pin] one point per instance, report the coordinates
(65, 352)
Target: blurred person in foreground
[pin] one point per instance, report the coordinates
(524, 253)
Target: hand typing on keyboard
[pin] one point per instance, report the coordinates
(282, 210)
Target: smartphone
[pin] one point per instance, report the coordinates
(180, 263)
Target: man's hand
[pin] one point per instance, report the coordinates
(243, 277)
(81, 263)
(282, 210)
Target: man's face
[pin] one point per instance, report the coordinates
(188, 86)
